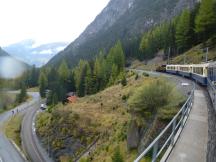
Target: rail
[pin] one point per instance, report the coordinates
(172, 131)
(212, 93)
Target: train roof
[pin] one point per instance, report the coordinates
(212, 64)
(194, 65)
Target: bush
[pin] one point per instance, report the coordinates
(149, 98)
(145, 74)
(124, 97)
(117, 157)
(137, 76)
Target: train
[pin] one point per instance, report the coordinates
(198, 72)
(204, 74)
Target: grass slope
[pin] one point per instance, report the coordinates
(74, 127)
(13, 128)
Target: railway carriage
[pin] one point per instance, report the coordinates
(204, 74)
(172, 69)
(200, 73)
(212, 72)
(185, 70)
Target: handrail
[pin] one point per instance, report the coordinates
(176, 124)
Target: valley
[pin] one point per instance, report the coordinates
(110, 95)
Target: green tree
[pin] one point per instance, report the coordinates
(88, 80)
(114, 75)
(183, 29)
(206, 19)
(117, 157)
(42, 84)
(63, 71)
(21, 97)
(116, 56)
(123, 79)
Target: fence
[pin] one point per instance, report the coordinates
(170, 133)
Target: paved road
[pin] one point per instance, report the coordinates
(30, 141)
(192, 144)
(7, 151)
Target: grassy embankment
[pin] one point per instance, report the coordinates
(195, 55)
(12, 128)
(7, 101)
(104, 115)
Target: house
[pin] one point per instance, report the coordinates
(71, 97)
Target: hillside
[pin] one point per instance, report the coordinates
(104, 119)
(121, 19)
(10, 67)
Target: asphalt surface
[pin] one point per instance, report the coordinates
(192, 144)
(31, 144)
(8, 153)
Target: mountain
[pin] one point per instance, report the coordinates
(11, 67)
(124, 20)
(29, 51)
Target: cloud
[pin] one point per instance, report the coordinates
(46, 20)
(49, 51)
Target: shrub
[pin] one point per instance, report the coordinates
(117, 157)
(145, 74)
(137, 76)
(124, 97)
(149, 98)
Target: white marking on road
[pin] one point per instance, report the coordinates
(1, 159)
(185, 84)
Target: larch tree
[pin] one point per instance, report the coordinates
(183, 31)
(42, 84)
(205, 22)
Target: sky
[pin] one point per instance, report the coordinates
(46, 21)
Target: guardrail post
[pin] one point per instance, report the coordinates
(182, 117)
(173, 132)
(155, 149)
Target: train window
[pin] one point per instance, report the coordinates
(198, 70)
(185, 69)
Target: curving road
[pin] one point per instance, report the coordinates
(30, 142)
(8, 153)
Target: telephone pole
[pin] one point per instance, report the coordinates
(168, 62)
(207, 49)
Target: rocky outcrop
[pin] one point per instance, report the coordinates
(133, 137)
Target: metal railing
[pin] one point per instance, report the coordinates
(212, 93)
(166, 140)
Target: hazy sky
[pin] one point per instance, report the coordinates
(46, 20)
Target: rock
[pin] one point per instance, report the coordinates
(133, 136)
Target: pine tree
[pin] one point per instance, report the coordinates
(123, 79)
(117, 157)
(114, 74)
(119, 56)
(183, 36)
(21, 97)
(71, 85)
(206, 19)
(63, 71)
(81, 89)
(42, 84)
(54, 99)
(88, 80)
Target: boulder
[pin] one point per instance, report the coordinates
(133, 136)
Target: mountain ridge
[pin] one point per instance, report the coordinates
(123, 20)
(35, 54)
